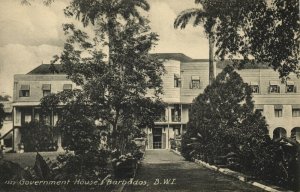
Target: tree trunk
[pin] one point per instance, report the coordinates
(212, 64)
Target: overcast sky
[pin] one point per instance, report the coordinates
(30, 35)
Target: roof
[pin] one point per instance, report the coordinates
(45, 69)
(175, 56)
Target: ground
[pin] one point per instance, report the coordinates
(28, 159)
(163, 170)
(162, 166)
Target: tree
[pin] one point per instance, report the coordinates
(267, 31)
(114, 92)
(223, 116)
(221, 21)
(2, 115)
(5, 98)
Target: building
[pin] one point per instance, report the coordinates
(28, 90)
(185, 79)
(7, 128)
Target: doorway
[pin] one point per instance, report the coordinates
(157, 138)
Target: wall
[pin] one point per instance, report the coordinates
(36, 82)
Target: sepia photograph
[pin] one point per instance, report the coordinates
(149, 95)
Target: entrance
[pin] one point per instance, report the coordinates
(157, 138)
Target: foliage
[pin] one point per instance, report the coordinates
(267, 31)
(223, 123)
(2, 115)
(65, 168)
(5, 98)
(36, 136)
(113, 92)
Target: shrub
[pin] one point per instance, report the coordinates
(223, 121)
(37, 136)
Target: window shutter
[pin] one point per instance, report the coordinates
(46, 87)
(163, 140)
(25, 87)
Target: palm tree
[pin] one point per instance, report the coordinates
(207, 17)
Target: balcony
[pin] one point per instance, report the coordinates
(161, 118)
(176, 118)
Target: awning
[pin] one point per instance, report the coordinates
(176, 76)
(25, 87)
(278, 106)
(274, 83)
(67, 86)
(290, 83)
(46, 87)
(296, 106)
(195, 77)
(253, 83)
(259, 106)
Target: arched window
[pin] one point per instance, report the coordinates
(296, 133)
(279, 132)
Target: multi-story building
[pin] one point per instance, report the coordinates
(28, 90)
(6, 130)
(184, 80)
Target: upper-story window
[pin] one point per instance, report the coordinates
(278, 110)
(46, 89)
(24, 91)
(177, 80)
(290, 87)
(274, 87)
(67, 87)
(296, 111)
(254, 87)
(259, 108)
(195, 82)
(176, 113)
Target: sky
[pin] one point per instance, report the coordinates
(31, 35)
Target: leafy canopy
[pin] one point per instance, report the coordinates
(267, 31)
(223, 115)
(115, 92)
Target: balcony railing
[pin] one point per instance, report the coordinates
(161, 119)
(176, 118)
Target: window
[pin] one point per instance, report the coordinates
(259, 110)
(67, 87)
(296, 112)
(195, 83)
(274, 87)
(278, 112)
(46, 89)
(176, 113)
(254, 88)
(290, 87)
(177, 80)
(24, 91)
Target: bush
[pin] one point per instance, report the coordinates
(187, 150)
(37, 136)
(223, 122)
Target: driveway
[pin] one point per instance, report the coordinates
(163, 170)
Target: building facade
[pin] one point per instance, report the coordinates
(184, 80)
(7, 128)
(28, 90)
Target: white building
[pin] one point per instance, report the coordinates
(185, 79)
